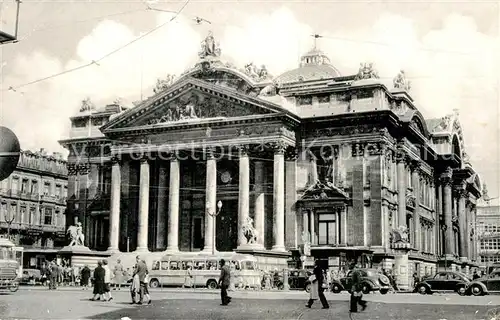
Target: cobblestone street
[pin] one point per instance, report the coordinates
(178, 304)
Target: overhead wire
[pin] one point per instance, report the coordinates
(96, 62)
(200, 20)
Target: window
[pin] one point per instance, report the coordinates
(3, 211)
(324, 98)
(47, 218)
(24, 186)
(58, 191)
(174, 265)
(327, 232)
(156, 265)
(304, 100)
(164, 265)
(34, 187)
(65, 194)
(13, 213)
(15, 185)
(24, 215)
(33, 216)
(46, 189)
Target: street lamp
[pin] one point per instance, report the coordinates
(214, 216)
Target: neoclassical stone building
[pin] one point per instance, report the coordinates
(330, 166)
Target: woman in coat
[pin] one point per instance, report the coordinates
(85, 277)
(99, 286)
(118, 273)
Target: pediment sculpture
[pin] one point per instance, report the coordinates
(366, 71)
(249, 231)
(400, 81)
(198, 106)
(87, 105)
(209, 47)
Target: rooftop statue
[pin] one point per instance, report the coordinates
(87, 105)
(400, 81)
(258, 74)
(162, 84)
(209, 48)
(366, 71)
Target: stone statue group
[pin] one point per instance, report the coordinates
(76, 235)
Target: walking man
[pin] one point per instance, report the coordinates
(141, 270)
(356, 291)
(107, 280)
(224, 281)
(320, 279)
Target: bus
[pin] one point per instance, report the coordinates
(9, 265)
(203, 270)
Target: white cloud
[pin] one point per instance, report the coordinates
(441, 80)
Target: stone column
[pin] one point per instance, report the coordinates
(161, 210)
(337, 223)
(142, 234)
(114, 214)
(210, 200)
(243, 193)
(260, 205)
(343, 225)
(279, 197)
(312, 226)
(417, 232)
(401, 184)
(446, 180)
(439, 212)
(305, 221)
(462, 223)
(173, 206)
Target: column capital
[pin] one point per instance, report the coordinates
(144, 159)
(115, 160)
(210, 151)
(173, 156)
(446, 178)
(415, 165)
(400, 156)
(243, 150)
(279, 147)
(291, 154)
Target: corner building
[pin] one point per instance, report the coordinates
(327, 166)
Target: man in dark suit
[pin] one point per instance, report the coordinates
(356, 291)
(318, 273)
(141, 270)
(224, 281)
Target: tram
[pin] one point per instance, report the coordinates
(10, 265)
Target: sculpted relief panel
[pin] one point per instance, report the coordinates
(195, 105)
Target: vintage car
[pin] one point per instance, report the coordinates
(444, 281)
(485, 285)
(371, 280)
(31, 276)
(298, 279)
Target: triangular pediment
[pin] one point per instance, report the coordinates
(324, 191)
(193, 101)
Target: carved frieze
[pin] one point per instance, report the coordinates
(198, 106)
(261, 130)
(345, 131)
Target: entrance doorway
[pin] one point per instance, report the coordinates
(227, 226)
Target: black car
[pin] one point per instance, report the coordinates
(484, 285)
(444, 281)
(371, 280)
(298, 279)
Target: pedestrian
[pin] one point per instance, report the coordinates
(99, 290)
(224, 282)
(356, 291)
(141, 270)
(85, 277)
(118, 273)
(318, 276)
(145, 285)
(135, 286)
(475, 275)
(107, 280)
(53, 274)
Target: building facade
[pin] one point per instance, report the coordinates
(488, 232)
(33, 205)
(313, 163)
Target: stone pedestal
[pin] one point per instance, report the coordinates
(401, 270)
(80, 256)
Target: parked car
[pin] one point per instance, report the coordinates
(298, 279)
(371, 280)
(444, 281)
(485, 285)
(31, 276)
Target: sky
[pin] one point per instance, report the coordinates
(449, 50)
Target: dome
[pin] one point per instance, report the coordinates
(314, 65)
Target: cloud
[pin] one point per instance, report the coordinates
(458, 71)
